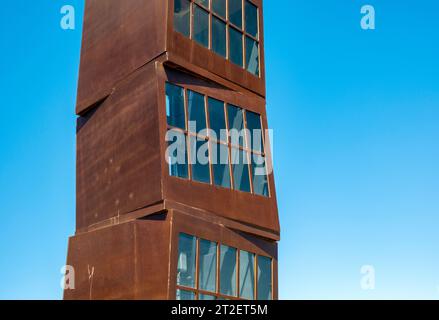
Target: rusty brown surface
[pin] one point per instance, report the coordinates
(118, 38)
(118, 158)
(124, 261)
(138, 259)
(129, 210)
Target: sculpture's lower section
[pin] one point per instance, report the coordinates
(169, 256)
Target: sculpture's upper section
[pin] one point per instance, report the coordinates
(222, 37)
(153, 67)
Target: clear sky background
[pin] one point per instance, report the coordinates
(355, 118)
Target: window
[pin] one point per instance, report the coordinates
(182, 16)
(199, 152)
(246, 275)
(235, 12)
(219, 45)
(203, 2)
(252, 56)
(208, 265)
(201, 26)
(186, 261)
(196, 112)
(175, 106)
(219, 151)
(220, 164)
(185, 295)
(240, 170)
(235, 45)
(212, 23)
(212, 142)
(177, 154)
(259, 175)
(251, 19)
(254, 125)
(219, 7)
(228, 271)
(264, 278)
(217, 119)
(236, 125)
(219, 281)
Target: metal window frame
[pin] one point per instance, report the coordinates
(247, 148)
(217, 294)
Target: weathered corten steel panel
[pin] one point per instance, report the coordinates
(124, 261)
(118, 152)
(118, 37)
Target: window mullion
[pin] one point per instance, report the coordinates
(209, 146)
(227, 30)
(197, 265)
(187, 135)
(210, 23)
(256, 277)
(229, 147)
(238, 273)
(218, 265)
(246, 151)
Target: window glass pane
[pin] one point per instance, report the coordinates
(186, 260)
(251, 19)
(219, 37)
(264, 278)
(203, 2)
(177, 154)
(201, 26)
(219, 7)
(259, 175)
(235, 12)
(200, 159)
(235, 44)
(252, 56)
(206, 297)
(220, 165)
(255, 130)
(240, 170)
(208, 265)
(175, 106)
(246, 275)
(217, 119)
(236, 125)
(185, 295)
(196, 112)
(228, 271)
(182, 16)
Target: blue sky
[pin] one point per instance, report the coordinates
(354, 115)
